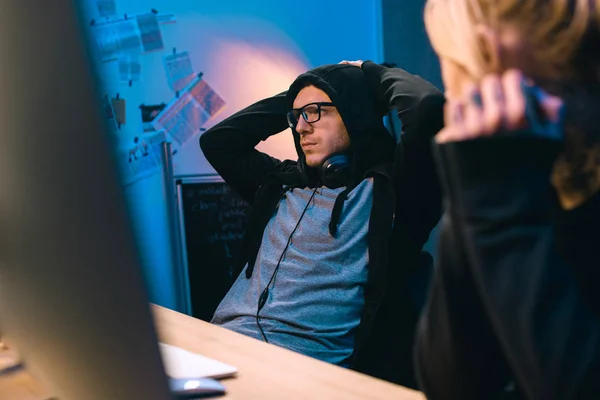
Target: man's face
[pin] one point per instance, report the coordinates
(325, 136)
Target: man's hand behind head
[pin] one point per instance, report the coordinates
(357, 63)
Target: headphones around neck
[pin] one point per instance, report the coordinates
(335, 170)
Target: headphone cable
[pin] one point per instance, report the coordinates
(262, 299)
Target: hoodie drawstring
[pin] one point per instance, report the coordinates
(336, 213)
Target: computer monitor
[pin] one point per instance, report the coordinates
(72, 296)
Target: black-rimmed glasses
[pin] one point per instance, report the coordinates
(311, 112)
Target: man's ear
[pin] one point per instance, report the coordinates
(490, 47)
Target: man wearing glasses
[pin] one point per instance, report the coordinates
(334, 235)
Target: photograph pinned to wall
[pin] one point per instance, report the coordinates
(118, 105)
(130, 68)
(185, 115)
(106, 8)
(149, 113)
(179, 70)
(136, 34)
(143, 159)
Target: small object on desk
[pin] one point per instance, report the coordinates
(180, 363)
(195, 388)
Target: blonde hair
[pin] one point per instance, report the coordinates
(563, 36)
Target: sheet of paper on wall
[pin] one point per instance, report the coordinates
(130, 68)
(150, 32)
(106, 8)
(206, 98)
(118, 105)
(143, 159)
(180, 120)
(179, 70)
(139, 34)
(186, 114)
(117, 38)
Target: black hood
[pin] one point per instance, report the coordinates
(370, 142)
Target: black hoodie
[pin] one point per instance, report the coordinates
(406, 193)
(370, 142)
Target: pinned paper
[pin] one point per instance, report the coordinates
(130, 68)
(179, 70)
(118, 38)
(186, 114)
(206, 98)
(130, 35)
(118, 105)
(143, 159)
(150, 32)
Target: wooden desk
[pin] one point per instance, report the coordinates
(265, 371)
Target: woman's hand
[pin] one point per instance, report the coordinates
(501, 103)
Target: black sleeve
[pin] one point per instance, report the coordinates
(499, 190)
(420, 107)
(457, 355)
(230, 145)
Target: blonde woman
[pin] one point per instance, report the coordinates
(515, 300)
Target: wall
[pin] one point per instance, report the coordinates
(247, 50)
(405, 41)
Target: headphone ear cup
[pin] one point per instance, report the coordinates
(335, 171)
